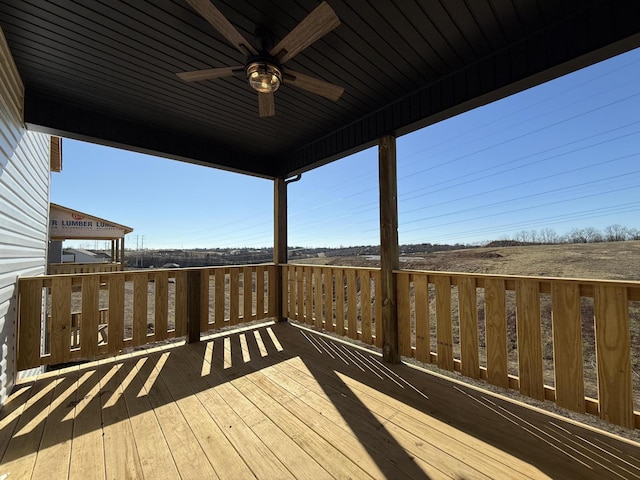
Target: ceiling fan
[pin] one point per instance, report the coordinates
(264, 68)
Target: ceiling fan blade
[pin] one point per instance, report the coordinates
(314, 85)
(266, 105)
(210, 73)
(317, 24)
(218, 21)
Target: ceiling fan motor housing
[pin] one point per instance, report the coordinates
(264, 73)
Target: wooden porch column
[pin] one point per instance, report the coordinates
(279, 240)
(121, 257)
(389, 259)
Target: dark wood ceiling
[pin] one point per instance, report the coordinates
(104, 71)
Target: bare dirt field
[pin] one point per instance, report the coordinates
(608, 260)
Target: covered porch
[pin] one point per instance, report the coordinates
(283, 401)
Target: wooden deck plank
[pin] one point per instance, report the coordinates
(224, 458)
(297, 404)
(269, 430)
(54, 452)
(20, 455)
(351, 460)
(153, 450)
(120, 453)
(314, 406)
(301, 426)
(12, 411)
(87, 429)
(513, 428)
(423, 441)
(256, 454)
(188, 455)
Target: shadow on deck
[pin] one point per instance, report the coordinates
(281, 401)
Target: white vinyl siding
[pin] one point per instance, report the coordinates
(24, 208)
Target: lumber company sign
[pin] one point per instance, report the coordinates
(69, 224)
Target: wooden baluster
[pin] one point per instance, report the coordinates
(495, 312)
(404, 313)
(161, 283)
(613, 355)
(423, 336)
(29, 324)
(529, 338)
(444, 325)
(467, 305)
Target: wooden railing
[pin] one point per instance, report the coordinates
(85, 316)
(72, 268)
(337, 299)
(564, 340)
(567, 341)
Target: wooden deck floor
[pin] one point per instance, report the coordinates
(280, 401)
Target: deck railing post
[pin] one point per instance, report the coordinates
(193, 306)
(279, 242)
(389, 259)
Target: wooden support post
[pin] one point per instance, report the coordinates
(193, 306)
(389, 259)
(279, 243)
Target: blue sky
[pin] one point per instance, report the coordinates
(561, 155)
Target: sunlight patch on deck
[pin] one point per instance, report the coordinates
(125, 383)
(57, 402)
(246, 355)
(207, 359)
(228, 362)
(153, 376)
(274, 339)
(261, 347)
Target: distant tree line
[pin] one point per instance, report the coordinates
(612, 233)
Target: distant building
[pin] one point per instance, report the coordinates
(79, 255)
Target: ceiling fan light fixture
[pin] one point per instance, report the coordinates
(264, 77)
